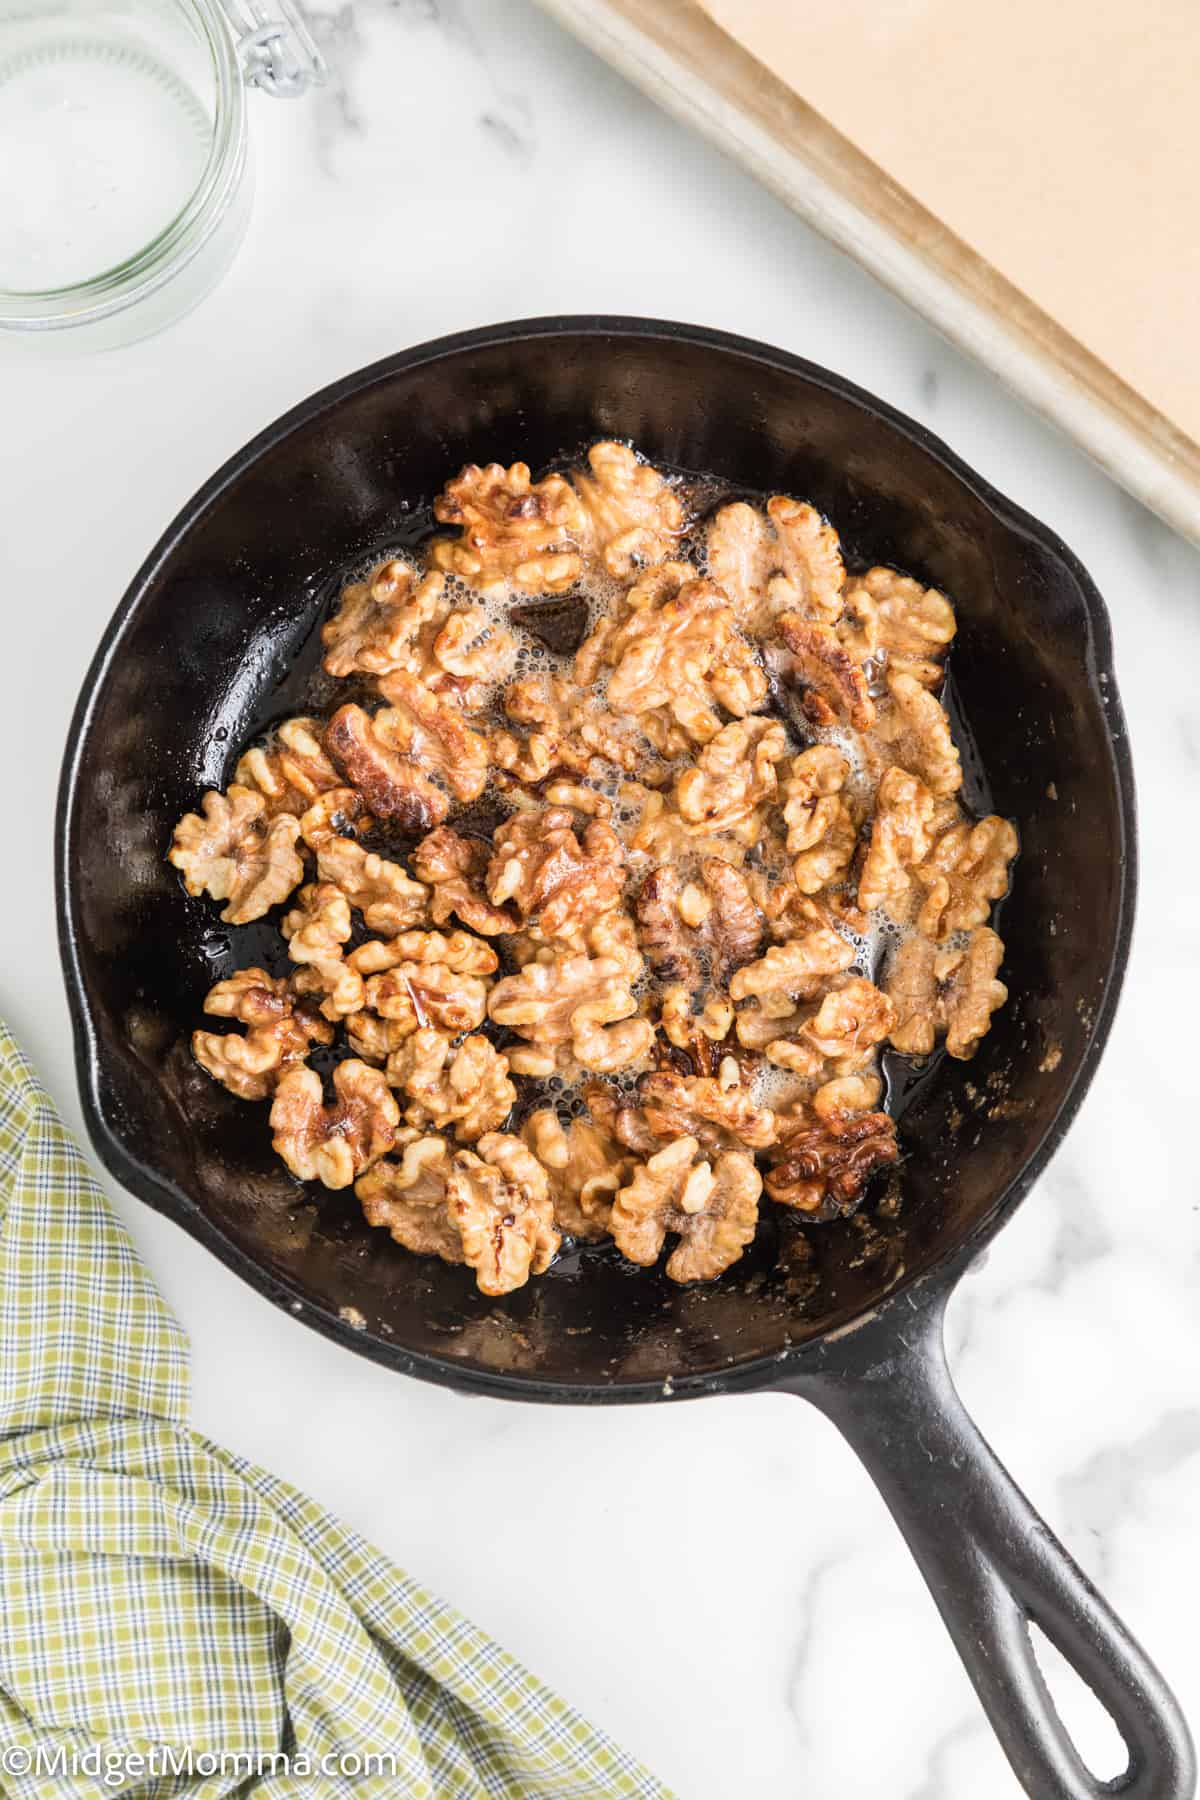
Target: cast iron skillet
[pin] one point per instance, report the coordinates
(215, 638)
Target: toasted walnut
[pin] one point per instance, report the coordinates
(791, 914)
(338, 813)
(647, 594)
(454, 868)
(395, 623)
(373, 1039)
(835, 688)
(615, 1112)
(772, 1024)
(712, 1208)
(516, 533)
(428, 987)
(317, 930)
(838, 1033)
(557, 881)
(971, 992)
(634, 516)
(663, 835)
(585, 1167)
(576, 1000)
(380, 890)
(281, 1032)
(333, 1144)
(599, 1044)
(964, 872)
(408, 1198)
(385, 772)
(915, 728)
(718, 1114)
(290, 770)
(800, 967)
(379, 621)
(846, 1095)
(569, 731)
(469, 648)
(915, 624)
(789, 561)
(821, 832)
(858, 627)
(848, 1024)
(499, 1199)
(900, 841)
(912, 987)
(699, 1033)
(579, 798)
(951, 991)
(459, 951)
(698, 933)
(684, 658)
(430, 730)
(234, 851)
(614, 936)
(732, 779)
(822, 1166)
(468, 1089)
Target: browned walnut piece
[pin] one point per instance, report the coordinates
(499, 1198)
(333, 1144)
(557, 881)
(712, 1207)
(516, 533)
(614, 811)
(789, 561)
(232, 850)
(408, 1198)
(291, 770)
(281, 1030)
(822, 1165)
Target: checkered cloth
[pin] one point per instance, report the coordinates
(157, 1591)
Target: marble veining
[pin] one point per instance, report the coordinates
(718, 1584)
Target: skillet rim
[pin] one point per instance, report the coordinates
(756, 1373)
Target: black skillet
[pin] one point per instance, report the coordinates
(215, 638)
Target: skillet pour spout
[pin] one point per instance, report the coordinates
(216, 639)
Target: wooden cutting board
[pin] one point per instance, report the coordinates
(1026, 175)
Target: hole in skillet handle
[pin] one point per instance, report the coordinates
(995, 1570)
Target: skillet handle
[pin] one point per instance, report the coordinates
(993, 1566)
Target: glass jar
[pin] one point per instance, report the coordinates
(125, 180)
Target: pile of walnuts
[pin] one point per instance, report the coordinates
(639, 1003)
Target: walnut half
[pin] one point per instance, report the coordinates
(467, 1090)
(634, 516)
(333, 1144)
(584, 1165)
(557, 881)
(711, 1207)
(516, 532)
(281, 1031)
(697, 933)
(408, 1198)
(499, 1198)
(823, 1164)
(789, 561)
(234, 851)
(937, 991)
(582, 1001)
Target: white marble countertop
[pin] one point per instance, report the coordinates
(471, 163)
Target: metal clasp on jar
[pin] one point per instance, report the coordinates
(277, 50)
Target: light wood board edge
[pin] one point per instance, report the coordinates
(677, 54)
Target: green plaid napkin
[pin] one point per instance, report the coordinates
(174, 1620)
